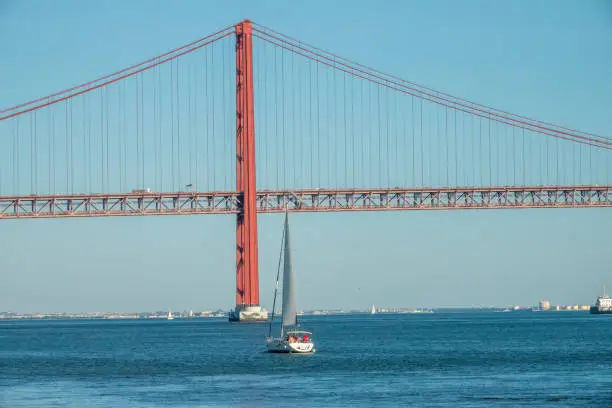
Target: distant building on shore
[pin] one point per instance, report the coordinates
(544, 305)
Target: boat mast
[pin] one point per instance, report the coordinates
(289, 307)
(277, 278)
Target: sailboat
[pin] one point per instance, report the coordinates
(170, 317)
(291, 339)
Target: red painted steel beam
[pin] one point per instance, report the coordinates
(247, 276)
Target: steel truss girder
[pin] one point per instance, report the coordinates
(104, 205)
(317, 200)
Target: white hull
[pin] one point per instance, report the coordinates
(283, 346)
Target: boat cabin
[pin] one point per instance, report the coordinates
(298, 336)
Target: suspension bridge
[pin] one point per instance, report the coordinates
(175, 134)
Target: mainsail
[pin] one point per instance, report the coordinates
(289, 310)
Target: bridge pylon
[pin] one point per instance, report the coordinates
(247, 276)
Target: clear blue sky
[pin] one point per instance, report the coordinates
(549, 60)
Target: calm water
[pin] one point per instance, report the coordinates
(446, 360)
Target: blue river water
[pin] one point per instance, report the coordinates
(439, 360)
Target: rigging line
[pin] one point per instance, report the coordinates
(422, 156)
(142, 134)
(361, 129)
(102, 136)
(172, 90)
(89, 140)
(21, 112)
(71, 147)
(594, 143)
(123, 138)
(352, 132)
(50, 131)
(17, 144)
(412, 118)
(371, 141)
(223, 104)
(138, 130)
(300, 124)
(84, 117)
(66, 146)
(378, 122)
(35, 153)
(126, 135)
(31, 154)
(500, 145)
(189, 125)
(291, 114)
(480, 158)
(121, 133)
(14, 155)
(524, 157)
(311, 182)
(580, 164)
(276, 116)
(179, 152)
(155, 127)
(557, 160)
(206, 125)
(447, 143)
(318, 130)
(214, 113)
(329, 132)
(160, 132)
(283, 113)
(388, 136)
(547, 158)
(486, 110)
(86, 84)
(513, 158)
(345, 132)
(107, 136)
(462, 108)
(267, 108)
(590, 162)
(295, 108)
(472, 151)
(198, 85)
(277, 278)
(456, 149)
(490, 155)
(400, 141)
(418, 85)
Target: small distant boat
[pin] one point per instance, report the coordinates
(291, 339)
(170, 317)
(373, 311)
(603, 305)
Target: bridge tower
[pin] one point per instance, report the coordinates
(247, 276)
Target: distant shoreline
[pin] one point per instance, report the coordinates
(218, 315)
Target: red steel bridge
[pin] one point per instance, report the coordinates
(176, 135)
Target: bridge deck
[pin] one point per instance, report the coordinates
(317, 200)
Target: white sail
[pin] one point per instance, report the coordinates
(289, 308)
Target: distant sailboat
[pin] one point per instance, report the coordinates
(170, 317)
(373, 311)
(291, 338)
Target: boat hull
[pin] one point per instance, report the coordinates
(283, 346)
(596, 310)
